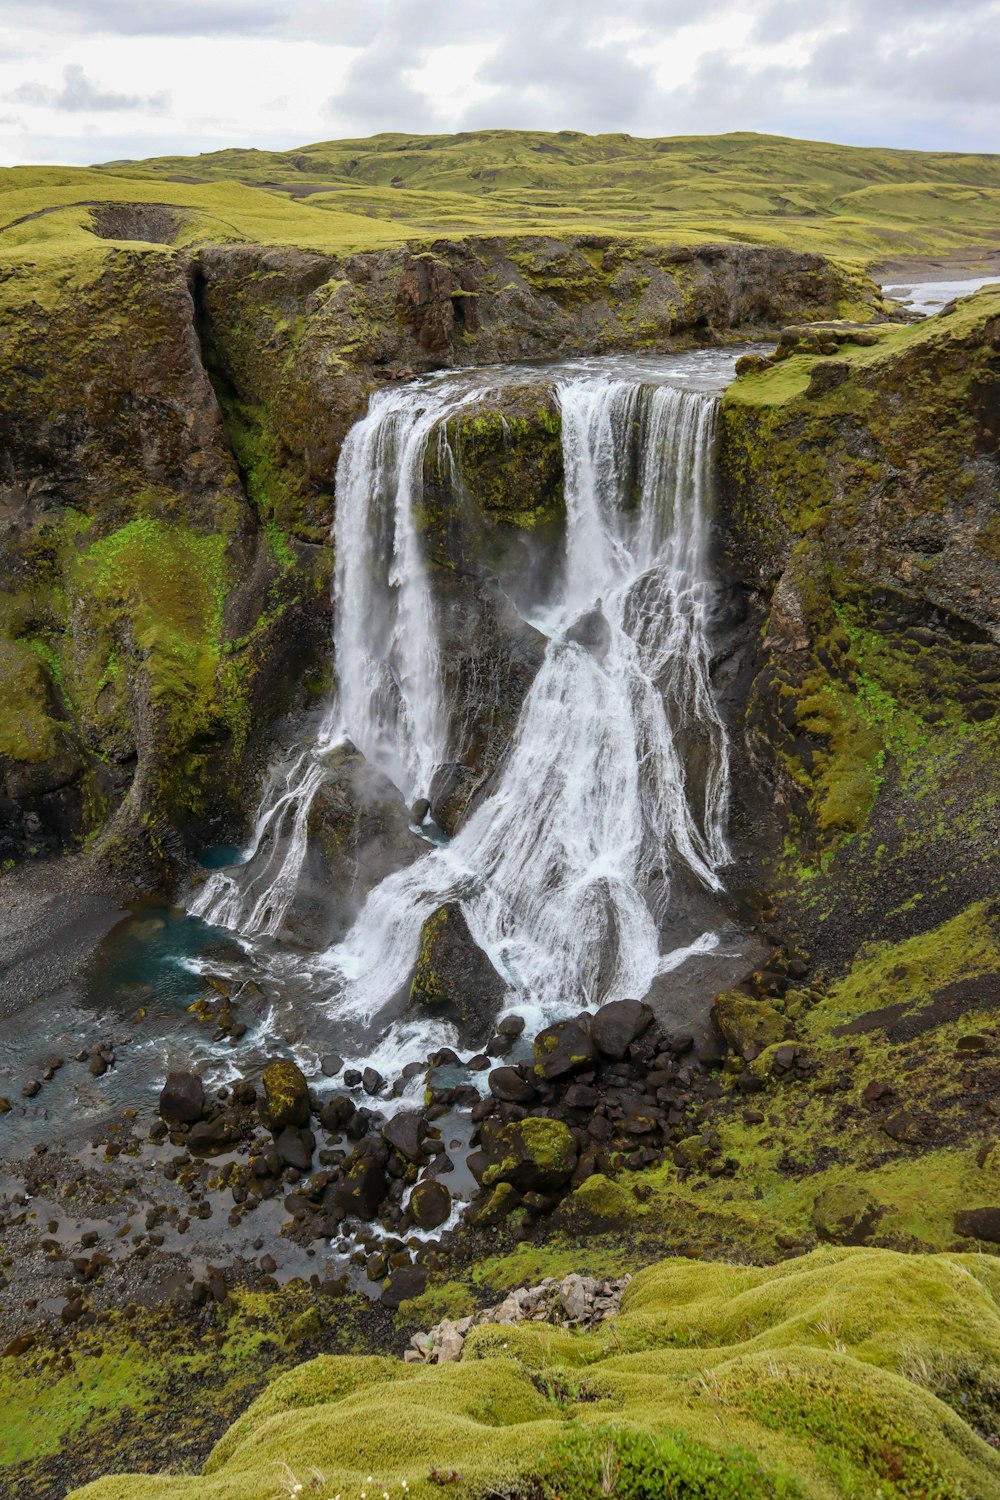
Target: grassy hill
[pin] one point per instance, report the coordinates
(861, 203)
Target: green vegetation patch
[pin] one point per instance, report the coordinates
(822, 1377)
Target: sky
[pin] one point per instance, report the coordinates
(97, 80)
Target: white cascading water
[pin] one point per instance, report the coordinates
(389, 701)
(618, 771)
(555, 869)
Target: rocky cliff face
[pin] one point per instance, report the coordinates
(861, 494)
(168, 444)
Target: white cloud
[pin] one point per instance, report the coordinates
(143, 77)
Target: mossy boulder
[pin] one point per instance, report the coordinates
(454, 978)
(597, 1204)
(286, 1094)
(748, 1025)
(845, 1213)
(533, 1155)
(430, 1203)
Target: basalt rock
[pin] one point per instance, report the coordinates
(286, 1094)
(616, 1025)
(182, 1098)
(565, 1048)
(532, 1155)
(454, 978)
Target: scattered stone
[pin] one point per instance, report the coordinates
(372, 1081)
(562, 1049)
(405, 1132)
(509, 1085)
(331, 1065)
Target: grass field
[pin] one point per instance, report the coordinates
(340, 196)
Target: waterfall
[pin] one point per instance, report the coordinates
(617, 775)
(564, 869)
(389, 699)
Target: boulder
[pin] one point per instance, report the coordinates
(295, 1147)
(362, 1188)
(845, 1213)
(565, 1048)
(979, 1224)
(430, 1204)
(749, 1026)
(286, 1093)
(405, 1132)
(337, 1113)
(532, 1155)
(455, 979)
(404, 1283)
(210, 1135)
(618, 1024)
(495, 1207)
(508, 1085)
(182, 1099)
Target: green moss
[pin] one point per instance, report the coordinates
(451, 1299)
(797, 1375)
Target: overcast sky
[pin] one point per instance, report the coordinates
(94, 80)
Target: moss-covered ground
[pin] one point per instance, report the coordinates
(850, 1372)
(155, 1388)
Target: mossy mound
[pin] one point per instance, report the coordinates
(854, 1373)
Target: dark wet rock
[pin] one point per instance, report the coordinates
(904, 1127)
(454, 978)
(509, 1085)
(331, 1065)
(510, 1026)
(405, 1132)
(286, 1094)
(419, 810)
(98, 1064)
(359, 833)
(337, 1113)
(209, 1135)
(352, 1078)
(565, 1048)
(244, 1093)
(979, 1224)
(592, 632)
(532, 1155)
(581, 1096)
(430, 1204)
(404, 1283)
(362, 1188)
(31, 1088)
(618, 1024)
(182, 1099)
(295, 1147)
(372, 1081)
(452, 788)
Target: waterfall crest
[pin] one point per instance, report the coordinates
(617, 775)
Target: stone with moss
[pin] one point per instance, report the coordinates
(286, 1094)
(748, 1025)
(533, 1155)
(845, 1213)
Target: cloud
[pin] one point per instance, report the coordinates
(81, 95)
(154, 17)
